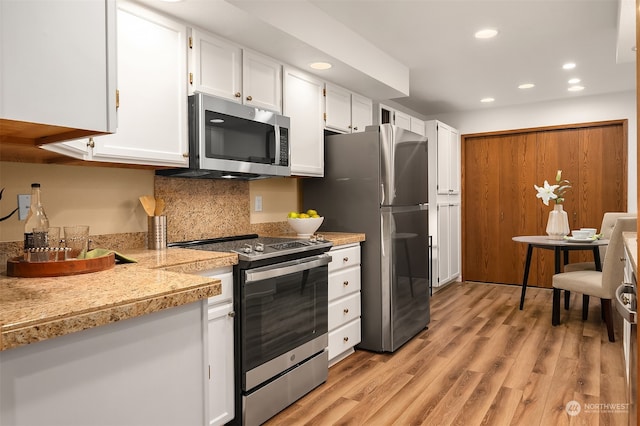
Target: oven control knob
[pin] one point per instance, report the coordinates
(259, 247)
(247, 248)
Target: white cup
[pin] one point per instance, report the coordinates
(591, 231)
(580, 234)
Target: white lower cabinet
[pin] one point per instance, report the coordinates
(344, 301)
(220, 360)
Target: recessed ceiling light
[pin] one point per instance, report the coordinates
(574, 81)
(320, 65)
(526, 86)
(576, 88)
(569, 66)
(487, 100)
(486, 33)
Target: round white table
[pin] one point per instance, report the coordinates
(558, 246)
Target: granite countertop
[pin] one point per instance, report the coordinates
(35, 309)
(631, 244)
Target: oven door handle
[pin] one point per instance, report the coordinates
(281, 269)
(625, 307)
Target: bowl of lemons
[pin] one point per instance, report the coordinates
(306, 223)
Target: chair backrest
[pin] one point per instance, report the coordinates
(608, 222)
(613, 268)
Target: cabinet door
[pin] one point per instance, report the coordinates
(303, 103)
(402, 120)
(215, 66)
(152, 68)
(262, 81)
(361, 113)
(417, 126)
(454, 161)
(337, 109)
(444, 162)
(221, 384)
(443, 250)
(454, 240)
(60, 68)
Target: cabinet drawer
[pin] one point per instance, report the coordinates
(344, 338)
(344, 282)
(344, 258)
(344, 310)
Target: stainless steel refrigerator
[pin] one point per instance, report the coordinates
(376, 182)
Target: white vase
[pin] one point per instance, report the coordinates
(558, 223)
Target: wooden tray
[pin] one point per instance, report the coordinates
(17, 267)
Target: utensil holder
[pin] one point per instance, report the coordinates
(157, 232)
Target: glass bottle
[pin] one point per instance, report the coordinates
(36, 218)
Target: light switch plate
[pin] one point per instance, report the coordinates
(24, 202)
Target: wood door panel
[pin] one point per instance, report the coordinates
(480, 251)
(499, 199)
(517, 173)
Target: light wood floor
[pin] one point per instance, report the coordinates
(482, 361)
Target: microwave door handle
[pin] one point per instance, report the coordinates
(276, 154)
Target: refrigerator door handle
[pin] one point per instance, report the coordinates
(382, 194)
(382, 233)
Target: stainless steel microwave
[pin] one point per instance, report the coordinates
(230, 140)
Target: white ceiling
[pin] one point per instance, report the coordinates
(376, 45)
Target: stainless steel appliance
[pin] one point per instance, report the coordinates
(230, 140)
(376, 182)
(627, 306)
(281, 297)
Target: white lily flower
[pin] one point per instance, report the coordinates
(546, 192)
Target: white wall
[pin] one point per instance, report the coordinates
(578, 110)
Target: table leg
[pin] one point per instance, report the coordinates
(596, 258)
(527, 264)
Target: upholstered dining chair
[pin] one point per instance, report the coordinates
(601, 284)
(608, 222)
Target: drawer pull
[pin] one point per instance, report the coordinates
(345, 259)
(346, 339)
(346, 310)
(345, 283)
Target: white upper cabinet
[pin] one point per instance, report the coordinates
(57, 63)
(220, 68)
(402, 120)
(152, 113)
(337, 108)
(448, 143)
(417, 126)
(361, 113)
(346, 112)
(262, 81)
(215, 66)
(303, 104)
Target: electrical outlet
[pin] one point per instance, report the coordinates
(258, 203)
(24, 202)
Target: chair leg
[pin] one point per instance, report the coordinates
(555, 310)
(585, 307)
(567, 296)
(608, 318)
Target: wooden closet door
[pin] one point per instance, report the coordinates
(480, 249)
(499, 200)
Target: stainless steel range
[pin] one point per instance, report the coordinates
(280, 293)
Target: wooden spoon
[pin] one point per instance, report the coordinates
(148, 203)
(159, 206)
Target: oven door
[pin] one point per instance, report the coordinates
(283, 317)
